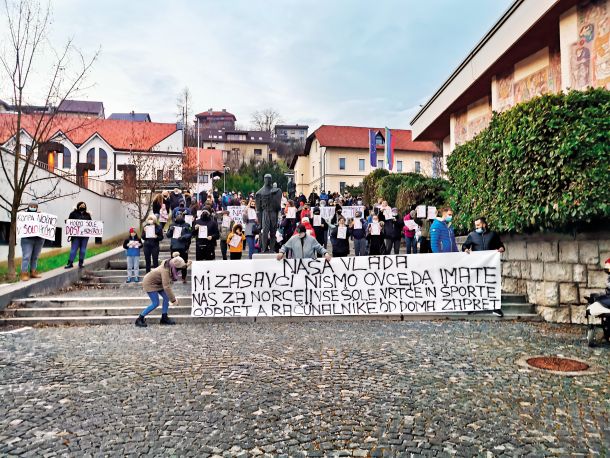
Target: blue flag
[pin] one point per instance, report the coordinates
(373, 147)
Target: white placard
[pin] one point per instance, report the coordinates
(177, 232)
(387, 213)
(375, 229)
(203, 232)
(149, 232)
(366, 285)
(350, 212)
(226, 221)
(188, 219)
(357, 223)
(292, 213)
(251, 214)
(235, 241)
(35, 224)
(236, 213)
(411, 225)
(421, 211)
(342, 232)
(431, 212)
(84, 228)
(317, 220)
(327, 212)
(278, 236)
(199, 212)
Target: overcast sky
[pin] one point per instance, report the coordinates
(348, 62)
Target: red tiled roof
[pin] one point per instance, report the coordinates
(209, 159)
(358, 137)
(214, 114)
(120, 134)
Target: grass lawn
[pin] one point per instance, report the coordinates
(58, 258)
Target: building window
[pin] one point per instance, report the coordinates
(399, 166)
(103, 159)
(313, 170)
(170, 175)
(380, 163)
(341, 163)
(258, 152)
(379, 139)
(91, 157)
(361, 165)
(342, 187)
(159, 175)
(205, 177)
(270, 157)
(417, 167)
(67, 158)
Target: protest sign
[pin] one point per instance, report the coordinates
(362, 285)
(350, 212)
(236, 213)
(317, 220)
(188, 219)
(411, 225)
(149, 231)
(291, 213)
(235, 241)
(34, 224)
(327, 212)
(84, 228)
(342, 232)
(177, 232)
(226, 221)
(375, 229)
(431, 212)
(421, 211)
(357, 223)
(252, 214)
(203, 232)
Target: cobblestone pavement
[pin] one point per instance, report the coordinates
(343, 388)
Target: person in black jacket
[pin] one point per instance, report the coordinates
(334, 221)
(206, 246)
(482, 238)
(340, 242)
(392, 232)
(180, 234)
(78, 243)
(321, 230)
(151, 244)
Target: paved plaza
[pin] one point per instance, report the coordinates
(310, 388)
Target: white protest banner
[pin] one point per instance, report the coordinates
(34, 224)
(350, 212)
(431, 212)
(236, 213)
(203, 232)
(342, 232)
(327, 212)
(188, 219)
(373, 285)
(149, 231)
(84, 228)
(421, 211)
(317, 220)
(177, 232)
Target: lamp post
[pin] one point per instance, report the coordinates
(198, 160)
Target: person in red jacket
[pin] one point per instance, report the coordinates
(310, 230)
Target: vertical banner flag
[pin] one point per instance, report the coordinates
(389, 148)
(373, 147)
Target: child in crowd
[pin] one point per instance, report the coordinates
(235, 240)
(132, 245)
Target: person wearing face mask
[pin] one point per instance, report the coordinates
(181, 209)
(30, 249)
(132, 245)
(320, 230)
(174, 199)
(205, 244)
(409, 234)
(335, 219)
(340, 239)
(236, 246)
(375, 236)
(303, 246)
(152, 235)
(392, 232)
(180, 234)
(78, 243)
(252, 228)
(158, 283)
(442, 238)
(359, 227)
(482, 238)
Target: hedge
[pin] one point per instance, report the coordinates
(370, 183)
(543, 165)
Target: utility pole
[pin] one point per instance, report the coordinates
(198, 160)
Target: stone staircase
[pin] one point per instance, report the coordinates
(103, 297)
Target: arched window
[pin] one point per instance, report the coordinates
(91, 157)
(67, 158)
(103, 159)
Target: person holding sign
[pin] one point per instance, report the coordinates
(302, 246)
(153, 234)
(158, 283)
(359, 228)
(339, 238)
(30, 250)
(409, 232)
(132, 245)
(252, 228)
(235, 240)
(206, 233)
(320, 227)
(375, 238)
(392, 232)
(226, 226)
(78, 243)
(442, 237)
(180, 234)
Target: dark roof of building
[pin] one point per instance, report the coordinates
(81, 106)
(215, 114)
(291, 126)
(4, 104)
(220, 136)
(137, 117)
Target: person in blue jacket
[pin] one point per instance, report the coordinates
(442, 238)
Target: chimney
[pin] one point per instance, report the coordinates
(224, 110)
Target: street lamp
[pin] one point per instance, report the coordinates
(224, 177)
(198, 159)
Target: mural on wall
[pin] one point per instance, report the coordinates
(590, 58)
(461, 128)
(506, 97)
(478, 124)
(465, 129)
(532, 85)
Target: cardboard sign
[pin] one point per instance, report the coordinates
(177, 232)
(317, 220)
(363, 285)
(84, 228)
(203, 232)
(375, 229)
(342, 232)
(235, 241)
(35, 224)
(149, 232)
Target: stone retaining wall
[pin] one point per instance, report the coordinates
(556, 271)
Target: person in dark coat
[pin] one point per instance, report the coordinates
(180, 234)
(334, 221)
(482, 239)
(339, 242)
(78, 243)
(175, 198)
(392, 232)
(151, 244)
(206, 246)
(376, 245)
(321, 230)
(359, 234)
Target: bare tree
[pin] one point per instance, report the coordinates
(265, 120)
(183, 106)
(25, 30)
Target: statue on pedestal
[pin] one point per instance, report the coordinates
(268, 205)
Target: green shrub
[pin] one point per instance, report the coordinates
(369, 185)
(422, 191)
(543, 165)
(250, 177)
